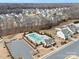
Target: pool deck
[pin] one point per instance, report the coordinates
(35, 37)
(4, 53)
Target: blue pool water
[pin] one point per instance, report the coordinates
(36, 38)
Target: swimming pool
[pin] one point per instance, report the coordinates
(36, 38)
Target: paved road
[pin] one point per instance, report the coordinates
(72, 49)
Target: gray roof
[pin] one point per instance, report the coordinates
(72, 49)
(49, 41)
(72, 28)
(66, 32)
(18, 48)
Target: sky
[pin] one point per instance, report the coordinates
(39, 1)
